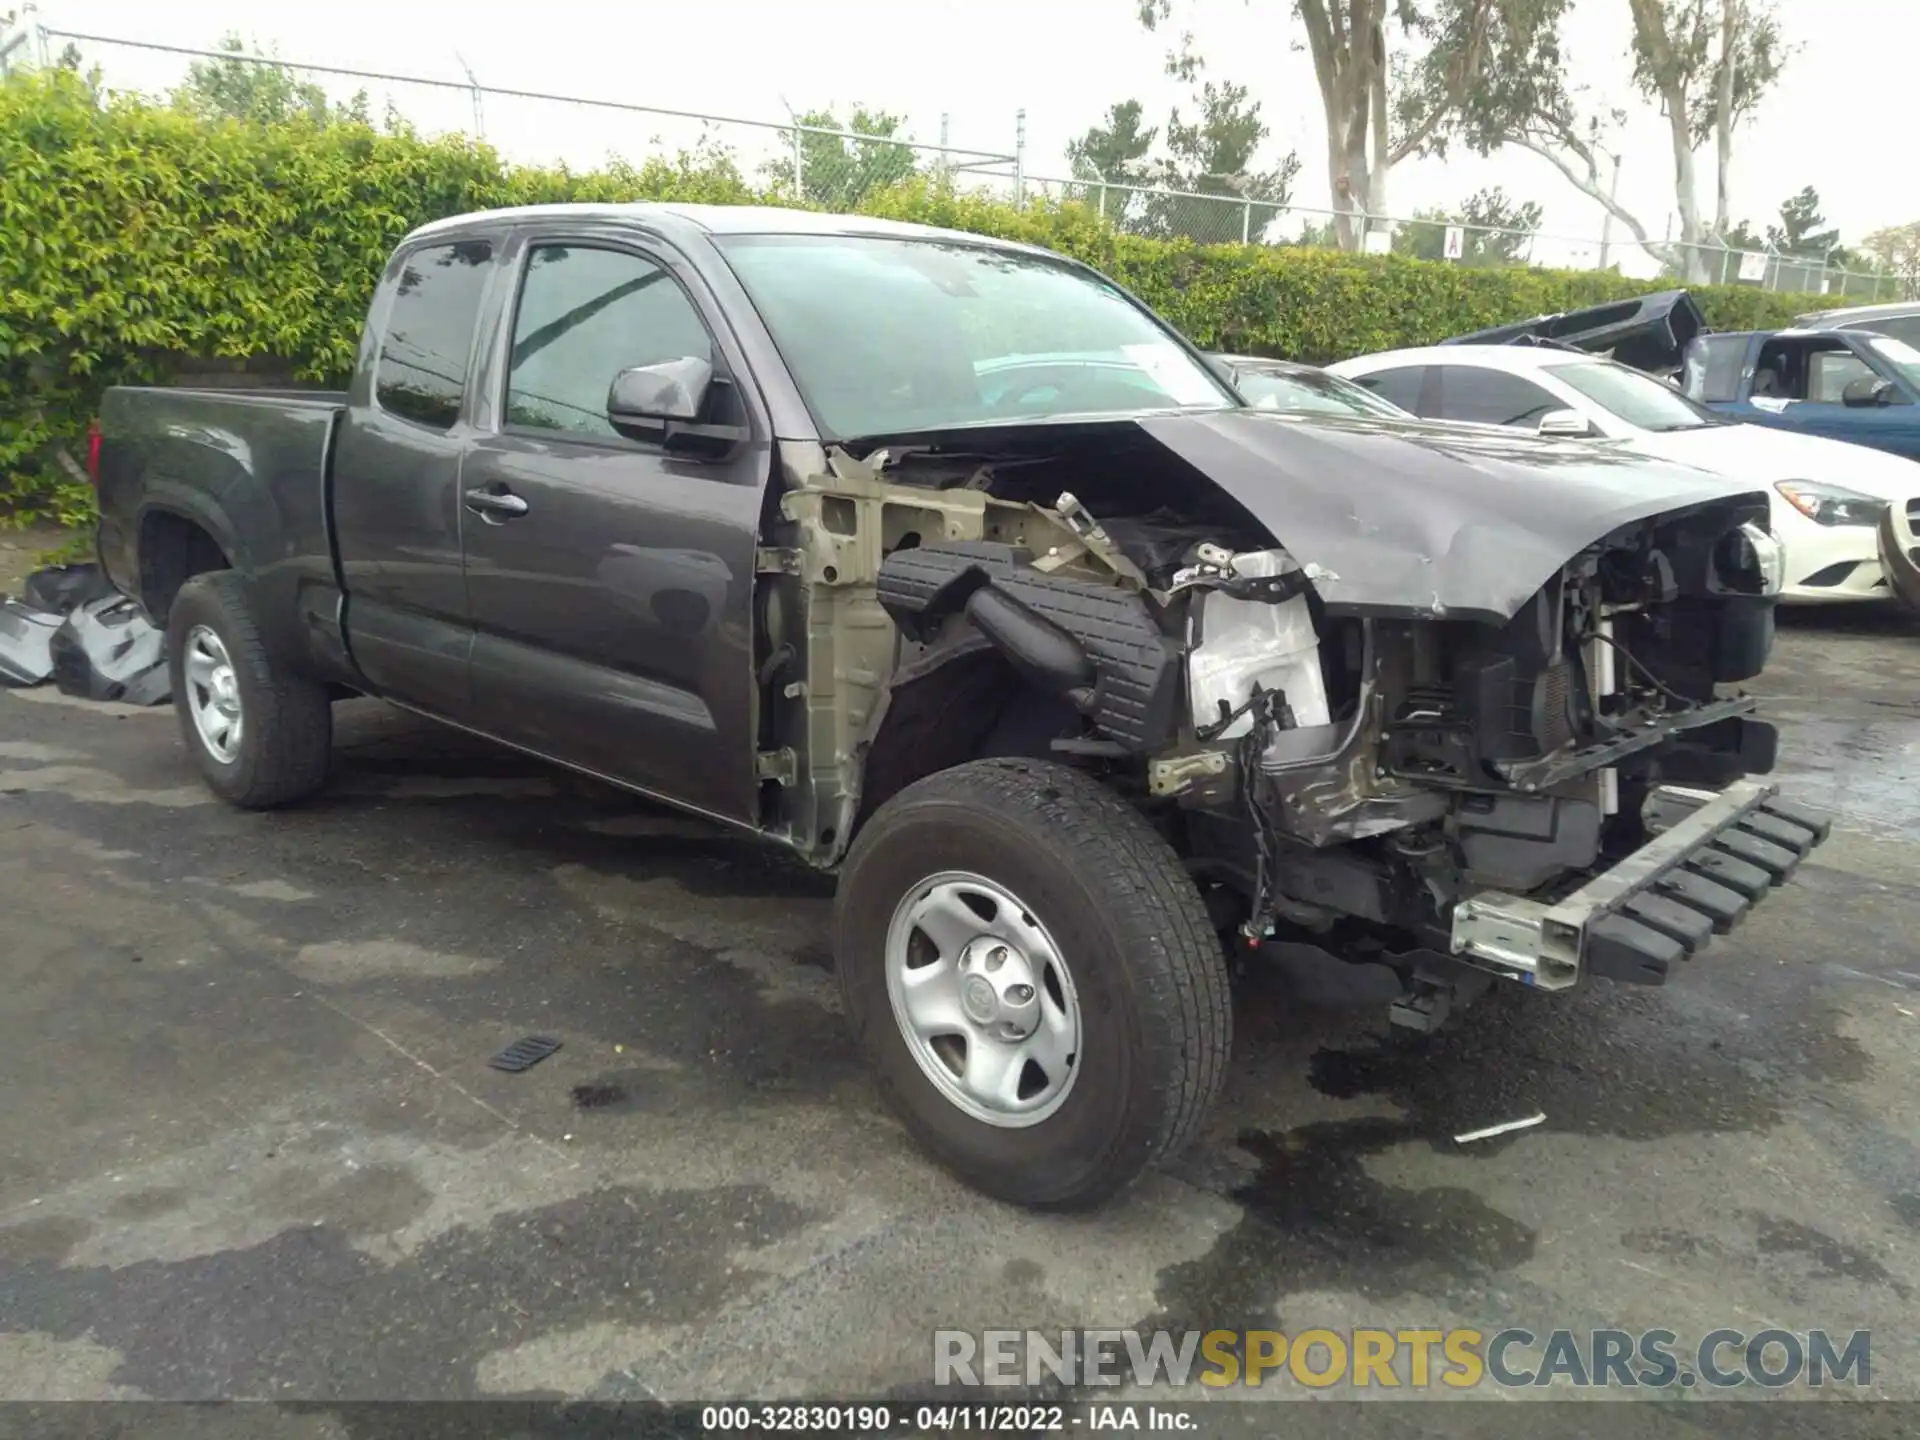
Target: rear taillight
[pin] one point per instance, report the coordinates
(93, 452)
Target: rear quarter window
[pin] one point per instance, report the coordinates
(1399, 386)
(421, 372)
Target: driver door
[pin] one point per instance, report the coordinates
(1815, 374)
(610, 582)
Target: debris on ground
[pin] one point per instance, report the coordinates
(108, 650)
(1493, 1130)
(62, 588)
(70, 626)
(524, 1054)
(26, 643)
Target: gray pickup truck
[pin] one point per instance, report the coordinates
(947, 565)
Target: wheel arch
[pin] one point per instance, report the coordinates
(178, 541)
(959, 702)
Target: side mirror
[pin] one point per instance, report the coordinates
(1866, 392)
(1565, 424)
(642, 401)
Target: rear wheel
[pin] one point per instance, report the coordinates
(1034, 978)
(261, 737)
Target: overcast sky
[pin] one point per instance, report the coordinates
(1831, 123)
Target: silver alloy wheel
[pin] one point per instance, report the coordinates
(983, 999)
(213, 694)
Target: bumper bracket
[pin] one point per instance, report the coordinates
(1713, 855)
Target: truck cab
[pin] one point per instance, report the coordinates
(1851, 385)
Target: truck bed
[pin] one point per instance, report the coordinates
(249, 467)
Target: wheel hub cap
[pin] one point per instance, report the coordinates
(212, 694)
(984, 999)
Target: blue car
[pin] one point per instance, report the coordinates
(1852, 385)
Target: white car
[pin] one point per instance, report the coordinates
(1827, 495)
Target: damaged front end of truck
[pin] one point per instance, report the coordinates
(1419, 707)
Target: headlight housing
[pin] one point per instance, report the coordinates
(1749, 561)
(1831, 504)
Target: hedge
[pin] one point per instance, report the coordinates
(132, 235)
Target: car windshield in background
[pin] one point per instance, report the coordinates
(1310, 393)
(1897, 356)
(1633, 396)
(887, 336)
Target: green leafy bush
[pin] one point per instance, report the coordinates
(132, 235)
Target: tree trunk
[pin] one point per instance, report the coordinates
(1723, 120)
(1353, 179)
(1686, 193)
(1382, 162)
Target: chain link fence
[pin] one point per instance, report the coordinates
(1230, 219)
(810, 158)
(805, 157)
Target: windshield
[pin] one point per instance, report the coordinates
(1310, 392)
(1633, 396)
(887, 336)
(1899, 357)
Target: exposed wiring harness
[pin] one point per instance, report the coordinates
(1270, 714)
(1627, 655)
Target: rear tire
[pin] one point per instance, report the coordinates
(277, 739)
(1103, 922)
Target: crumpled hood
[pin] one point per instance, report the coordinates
(1407, 517)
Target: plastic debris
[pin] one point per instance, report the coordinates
(26, 643)
(1493, 1130)
(107, 650)
(62, 588)
(69, 626)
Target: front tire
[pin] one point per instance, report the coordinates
(261, 737)
(1034, 979)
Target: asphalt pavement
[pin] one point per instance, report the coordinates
(251, 1147)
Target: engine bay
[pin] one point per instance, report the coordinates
(1332, 770)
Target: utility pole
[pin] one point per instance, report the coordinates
(473, 86)
(1606, 223)
(1020, 159)
(799, 178)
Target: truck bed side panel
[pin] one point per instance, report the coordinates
(249, 470)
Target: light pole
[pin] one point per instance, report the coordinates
(1613, 198)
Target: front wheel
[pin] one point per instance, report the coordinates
(1034, 978)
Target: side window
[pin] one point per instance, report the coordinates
(584, 316)
(1779, 372)
(422, 368)
(1831, 372)
(1713, 369)
(1492, 397)
(1397, 387)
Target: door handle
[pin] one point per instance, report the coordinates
(494, 506)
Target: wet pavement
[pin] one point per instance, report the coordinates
(252, 1147)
